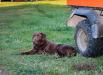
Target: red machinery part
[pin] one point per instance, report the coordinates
(86, 3)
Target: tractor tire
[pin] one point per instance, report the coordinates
(86, 45)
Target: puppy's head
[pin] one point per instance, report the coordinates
(39, 38)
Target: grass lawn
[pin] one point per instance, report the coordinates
(17, 24)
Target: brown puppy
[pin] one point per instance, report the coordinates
(42, 46)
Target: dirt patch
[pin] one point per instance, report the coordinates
(84, 66)
(72, 22)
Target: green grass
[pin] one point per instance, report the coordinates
(17, 24)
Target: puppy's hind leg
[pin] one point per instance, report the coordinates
(61, 53)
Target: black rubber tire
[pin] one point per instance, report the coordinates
(94, 46)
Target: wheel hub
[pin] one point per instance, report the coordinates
(82, 40)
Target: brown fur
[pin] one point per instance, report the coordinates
(42, 46)
(66, 50)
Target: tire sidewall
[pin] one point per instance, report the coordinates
(86, 27)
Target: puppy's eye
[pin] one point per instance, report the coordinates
(36, 35)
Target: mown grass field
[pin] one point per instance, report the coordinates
(18, 23)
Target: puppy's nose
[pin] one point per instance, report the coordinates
(39, 40)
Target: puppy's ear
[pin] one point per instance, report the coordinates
(33, 35)
(44, 35)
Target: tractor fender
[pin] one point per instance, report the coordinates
(85, 13)
(80, 14)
